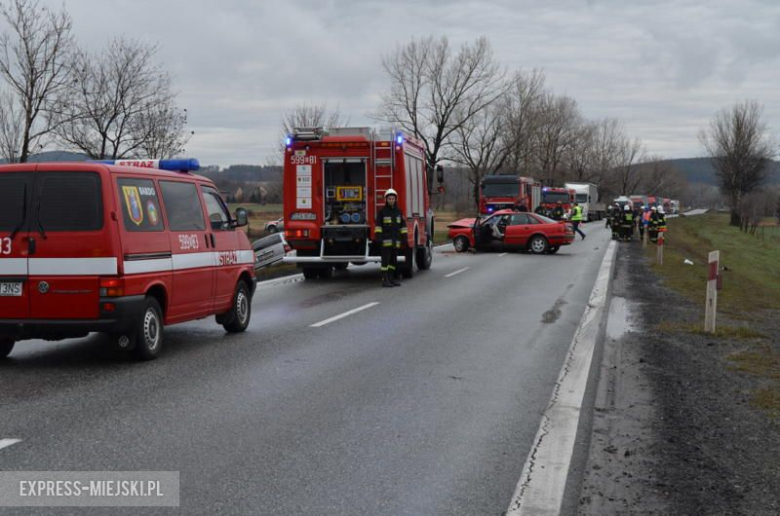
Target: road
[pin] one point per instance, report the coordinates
(426, 401)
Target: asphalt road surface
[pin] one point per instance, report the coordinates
(426, 401)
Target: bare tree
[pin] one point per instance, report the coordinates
(740, 149)
(120, 104)
(556, 133)
(434, 91)
(579, 159)
(311, 114)
(11, 126)
(625, 175)
(481, 144)
(33, 62)
(522, 108)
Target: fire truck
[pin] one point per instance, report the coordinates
(499, 192)
(551, 196)
(334, 185)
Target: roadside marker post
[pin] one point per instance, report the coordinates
(659, 257)
(711, 305)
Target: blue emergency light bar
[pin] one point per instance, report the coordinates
(173, 165)
(399, 138)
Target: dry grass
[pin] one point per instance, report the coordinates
(763, 362)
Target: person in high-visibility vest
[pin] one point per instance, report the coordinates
(576, 219)
(390, 231)
(627, 224)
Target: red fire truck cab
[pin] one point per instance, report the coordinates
(334, 184)
(118, 249)
(499, 192)
(551, 196)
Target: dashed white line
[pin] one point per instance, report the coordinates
(345, 314)
(4, 443)
(502, 254)
(464, 269)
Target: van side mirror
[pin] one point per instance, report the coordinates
(242, 219)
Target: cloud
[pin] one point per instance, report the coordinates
(662, 66)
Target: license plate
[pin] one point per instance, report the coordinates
(10, 289)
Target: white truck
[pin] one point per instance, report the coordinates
(587, 196)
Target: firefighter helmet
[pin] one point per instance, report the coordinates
(390, 192)
(626, 208)
(661, 209)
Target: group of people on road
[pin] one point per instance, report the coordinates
(625, 220)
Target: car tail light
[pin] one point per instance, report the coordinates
(287, 248)
(296, 233)
(112, 287)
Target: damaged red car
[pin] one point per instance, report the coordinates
(508, 230)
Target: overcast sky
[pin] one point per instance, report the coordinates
(662, 67)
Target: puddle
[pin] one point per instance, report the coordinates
(552, 315)
(619, 318)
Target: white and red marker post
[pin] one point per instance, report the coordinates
(659, 256)
(711, 305)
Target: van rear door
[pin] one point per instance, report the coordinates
(16, 189)
(72, 246)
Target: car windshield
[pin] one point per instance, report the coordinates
(500, 189)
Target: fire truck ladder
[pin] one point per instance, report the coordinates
(382, 157)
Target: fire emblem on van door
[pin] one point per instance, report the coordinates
(43, 287)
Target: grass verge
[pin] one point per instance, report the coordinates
(751, 292)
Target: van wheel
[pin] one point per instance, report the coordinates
(6, 346)
(309, 273)
(538, 245)
(149, 331)
(239, 315)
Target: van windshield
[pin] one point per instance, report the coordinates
(12, 190)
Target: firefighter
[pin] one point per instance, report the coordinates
(661, 220)
(608, 223)
(576, 219)
(541, 210)
(557, 212)
(652, 228)
(390, 231)
(617, 216)
(628, 223)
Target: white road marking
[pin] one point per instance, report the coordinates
(4, 443)
(345, 314)
(502, 254)
(541, 486)
(464, 269)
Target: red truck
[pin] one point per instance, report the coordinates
(551, 196)
(334, 184)
(500, 192)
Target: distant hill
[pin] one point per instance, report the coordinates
(49, 156)
(700, 170)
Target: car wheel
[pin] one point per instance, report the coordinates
(272, 229)
(309, 273)
(461, 244)
(553, 249)
(149, 331)
(6, 346)
(325, 272)
(538, 244)
(425, 256)
(241, 312)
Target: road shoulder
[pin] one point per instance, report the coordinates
(673, 429)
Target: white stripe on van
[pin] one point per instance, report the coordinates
(73, 266)
(193, 260)
(13, 266)
(246, 256)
